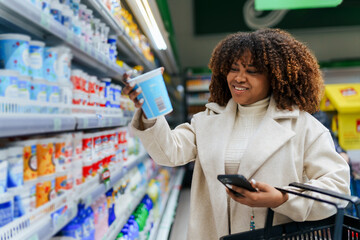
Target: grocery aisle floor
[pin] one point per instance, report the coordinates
(179, 228)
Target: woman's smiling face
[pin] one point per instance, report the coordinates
(246, 83)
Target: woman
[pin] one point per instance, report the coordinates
(257, 123)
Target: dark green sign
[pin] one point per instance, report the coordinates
(294, 4)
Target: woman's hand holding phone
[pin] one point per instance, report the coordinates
(265, 196)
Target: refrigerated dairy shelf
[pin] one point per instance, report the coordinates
(42, 226)
(24, 15)
(19, 125)
(162, 226)
(126, 44)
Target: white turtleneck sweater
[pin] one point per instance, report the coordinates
(247, 121)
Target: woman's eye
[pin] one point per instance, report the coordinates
(252, 71)
(234, 69)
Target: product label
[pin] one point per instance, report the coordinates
(6, 213)
(50, 66)
(9, 86)
(3, 176)
(14, 54)
(16, 171)
(30, 163)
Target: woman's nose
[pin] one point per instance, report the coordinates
(240, 77)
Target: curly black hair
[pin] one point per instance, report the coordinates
(293, 71)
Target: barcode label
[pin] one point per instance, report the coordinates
(160, 104)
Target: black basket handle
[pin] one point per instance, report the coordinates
(340, 210)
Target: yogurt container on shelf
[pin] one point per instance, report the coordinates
(45, 190)
(36, 52)
(29, 158)
(38, 90)
(56, 10)
(63, 65)
(45, 156)
(9, 83)
(6, 209)
(50, 60)
(24, 83)
(15, 167)
(14, 52)
(53, 93)
(23, 200)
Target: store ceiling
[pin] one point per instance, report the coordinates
(200, 24)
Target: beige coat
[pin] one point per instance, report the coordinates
(289, 146)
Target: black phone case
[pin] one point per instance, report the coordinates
(237, 180)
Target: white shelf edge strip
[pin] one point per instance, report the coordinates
(168, 217)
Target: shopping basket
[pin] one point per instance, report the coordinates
(337, 227)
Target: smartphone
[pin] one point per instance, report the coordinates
(236, 180)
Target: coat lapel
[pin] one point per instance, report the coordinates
(213, 133)
(270, 137)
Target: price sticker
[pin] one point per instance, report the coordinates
(69, 36)
(34, 237)
(57, 124)
(86, 123)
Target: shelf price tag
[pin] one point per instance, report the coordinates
(86, 122)
(45, 20)
(69, 36)
(57, 124)
(34, 237)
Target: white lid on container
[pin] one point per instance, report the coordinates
(82, 6)
(146, 76)
(23, 77)
(106, 79)
(15, 36)
(76, 72)
(38, 80)
(10, 73)
(37, 43)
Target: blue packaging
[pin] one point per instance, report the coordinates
(24, 87)
(38, 90)
(53, 93)
(156, 98)
(107, 91)
(9, 83)
(6, 209)
(22, 200)
(50, 58)
(36, 55)
(56, 10)
(73, 230)
(14, 52)
(15, 167)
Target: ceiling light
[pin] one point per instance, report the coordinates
(148, 16)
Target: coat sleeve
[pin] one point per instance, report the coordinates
(166, 147)
(323, 168)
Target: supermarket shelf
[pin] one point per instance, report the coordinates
(158, 230)
(126, 45)
(46, 227)
(93, 188)
(27, 17)
(16, 125)
(116, 227)
(100, 121)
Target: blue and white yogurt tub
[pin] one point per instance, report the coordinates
(36, 55)
(14, 52)
(9, 83)
(156, 98)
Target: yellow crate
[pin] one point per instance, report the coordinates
(344, 97)
(326, 105)
(349, 130)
